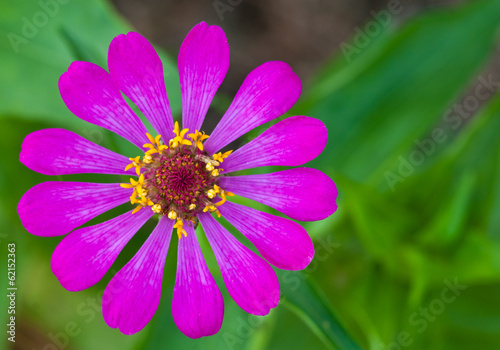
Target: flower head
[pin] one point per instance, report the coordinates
(182, 176)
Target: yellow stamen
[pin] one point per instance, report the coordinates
(223, 196)
(140, 192)
(127, 185)
(157, 139)
(179, 137)
(172, 215)
(150, 138)
(151, 151)
(180, 230)
(133, 198)
(198, 138)
(136, 162)
(221, 156)
(139, 207)
(212, 208)
(211, 194)
(156, 208)
(154, 146)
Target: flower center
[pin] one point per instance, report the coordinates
(178, 180)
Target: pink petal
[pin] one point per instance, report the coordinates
(303, 194)
(90, 93)
(61, 152)
(291, 142)
(250, 281)
(282, 242)
(197, 305)
(55, 208)
(133, 294)
(203, 64)
(138, 72)
(84, 256)
(267, 92)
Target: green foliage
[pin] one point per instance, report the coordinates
(35, 53)
(407, 237)
(419, 222)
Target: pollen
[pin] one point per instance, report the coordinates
(178, 180)
(156, 208)
(148, 159)
(211, 194)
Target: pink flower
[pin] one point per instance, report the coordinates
(181, 176)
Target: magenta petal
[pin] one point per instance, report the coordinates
(90, 93)
(249, 279)
(267, 92)
(138, 72)
(133, 294)
(203, 64)
(61, 152)
(291, 142)
(197, 305)
(282, 242)
(303, 194)
(55, 208)
(84, 256)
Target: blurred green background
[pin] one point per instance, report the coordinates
(408, 91)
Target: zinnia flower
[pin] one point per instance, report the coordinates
(182, 176)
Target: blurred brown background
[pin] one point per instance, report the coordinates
(302, 33)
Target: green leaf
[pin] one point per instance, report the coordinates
(464, 182)
(448, 226)
(313, 307)
(379, 221)
(376, 107)
(34, 54)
